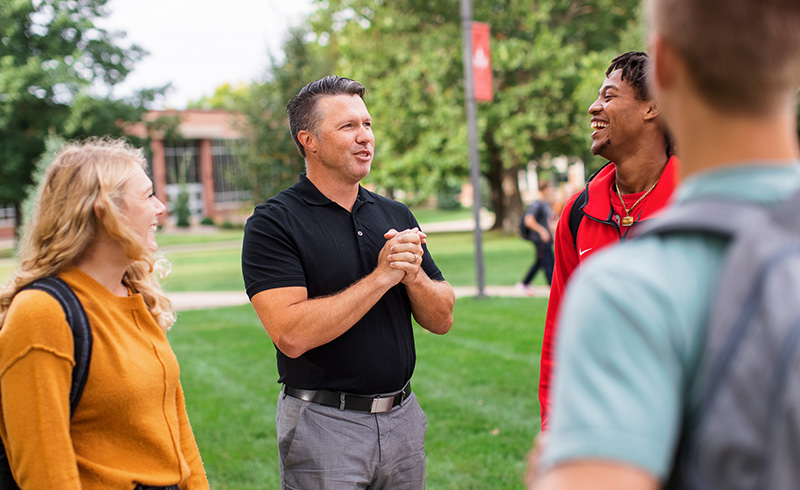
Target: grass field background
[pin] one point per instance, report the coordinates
(477, 385)
(211, 260)
(506, 258)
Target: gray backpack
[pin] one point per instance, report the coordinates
(746, 434)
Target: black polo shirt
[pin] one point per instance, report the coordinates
(302, 238)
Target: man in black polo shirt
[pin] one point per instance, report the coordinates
(335, 273)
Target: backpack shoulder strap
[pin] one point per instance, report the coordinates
(787, 213)
(753, 333)
(81, 332)
(576, 215)
(576, 211)
(718, 216)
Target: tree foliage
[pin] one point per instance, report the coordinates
(226, 97)
(52, 57)
(407, 54)
(548, 59)
(272, 161)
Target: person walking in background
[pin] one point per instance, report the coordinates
(636, 183)
(537, 227)
(634, 325)
(335, 273)
(93, 226)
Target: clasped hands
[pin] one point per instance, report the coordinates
(403, 252)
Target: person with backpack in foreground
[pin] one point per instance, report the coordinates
(93, 228)
(677, 356)
(636, 183)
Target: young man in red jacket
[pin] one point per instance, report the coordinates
(636, 183)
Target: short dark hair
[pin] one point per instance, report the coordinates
(743, 56)
(302, 109)
(634, 66)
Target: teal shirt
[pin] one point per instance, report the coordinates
(633, 326)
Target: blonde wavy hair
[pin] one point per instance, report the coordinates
(82, 193)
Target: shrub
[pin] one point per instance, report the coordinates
(182, 211)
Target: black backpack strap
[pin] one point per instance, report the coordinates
(576, 211)
(576, 214)
(81, 332)
(82, 340)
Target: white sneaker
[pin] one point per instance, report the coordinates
(523, 288)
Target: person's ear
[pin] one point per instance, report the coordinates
(652, 112)
(664, 60)
(100, 208)
(308, 140)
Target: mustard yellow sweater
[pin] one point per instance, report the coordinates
(130, 425)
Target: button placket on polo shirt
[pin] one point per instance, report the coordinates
(368, 255)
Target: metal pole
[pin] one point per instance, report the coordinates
(472, 135)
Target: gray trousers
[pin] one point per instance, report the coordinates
(324, 448)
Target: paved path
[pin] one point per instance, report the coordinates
(195, 301)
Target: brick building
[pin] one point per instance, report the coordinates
(205, 159)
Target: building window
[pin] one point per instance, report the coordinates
(182, 161)
(7, 216)
(230, 181)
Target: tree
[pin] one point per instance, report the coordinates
(226, 97)
(51, 54)
(272, 161)
(547, 61)
(407, 54)
(52, 144)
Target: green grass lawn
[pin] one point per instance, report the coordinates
(425, 215)
(205, 270)
(506, 260)
(477, 385)
(181, 238)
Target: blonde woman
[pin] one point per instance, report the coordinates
(93, 226)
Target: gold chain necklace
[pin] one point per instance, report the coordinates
(628, 219)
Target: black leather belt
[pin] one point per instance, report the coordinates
(346, 401)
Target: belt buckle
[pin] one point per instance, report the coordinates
(381, 405)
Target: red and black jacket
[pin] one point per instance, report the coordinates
(581, 232)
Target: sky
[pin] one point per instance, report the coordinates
(198, 45)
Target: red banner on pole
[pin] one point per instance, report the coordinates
(482, 61)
